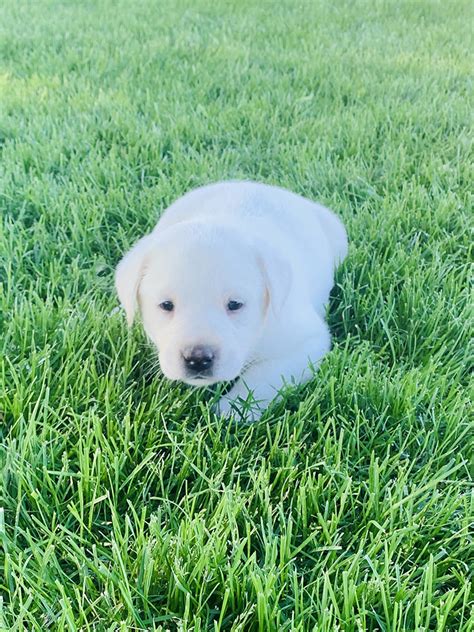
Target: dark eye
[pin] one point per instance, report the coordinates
(167, 306)
(233, 306)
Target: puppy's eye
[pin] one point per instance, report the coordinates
(167, 306)
(233, 306)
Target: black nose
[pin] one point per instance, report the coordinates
(198, 359)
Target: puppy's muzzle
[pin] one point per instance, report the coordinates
(199, 360)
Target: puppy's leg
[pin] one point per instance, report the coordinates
(260, 384)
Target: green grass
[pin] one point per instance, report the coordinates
(126, 504)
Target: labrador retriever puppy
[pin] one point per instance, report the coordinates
(232, 284)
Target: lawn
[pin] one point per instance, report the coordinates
(126, 504)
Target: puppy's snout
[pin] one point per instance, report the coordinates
(199, 359)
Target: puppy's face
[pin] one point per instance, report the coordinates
(203, 294)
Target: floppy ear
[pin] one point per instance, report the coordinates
(276, 273)
(128, 275)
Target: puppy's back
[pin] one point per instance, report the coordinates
(263, 207)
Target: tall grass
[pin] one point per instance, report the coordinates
(125, 503)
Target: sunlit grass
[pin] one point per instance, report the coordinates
(125, 503)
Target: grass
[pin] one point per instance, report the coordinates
(125, 503)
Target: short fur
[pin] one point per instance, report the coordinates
(270, 249)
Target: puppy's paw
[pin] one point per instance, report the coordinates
(238, 408)
(224, 408)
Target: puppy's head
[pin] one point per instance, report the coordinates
(203, 292)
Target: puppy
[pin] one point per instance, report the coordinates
(233, 283)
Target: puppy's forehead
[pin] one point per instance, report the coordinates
(202, 236)
(204, 249)
(203, 259)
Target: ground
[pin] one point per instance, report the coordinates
(125, 503)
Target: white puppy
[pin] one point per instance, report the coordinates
(233, 283)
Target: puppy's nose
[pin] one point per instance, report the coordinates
(199, 359)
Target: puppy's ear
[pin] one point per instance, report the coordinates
(128, 275)
(276, 273)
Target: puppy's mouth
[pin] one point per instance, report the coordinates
(202, 376)
(207, 378)
(201, 379)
